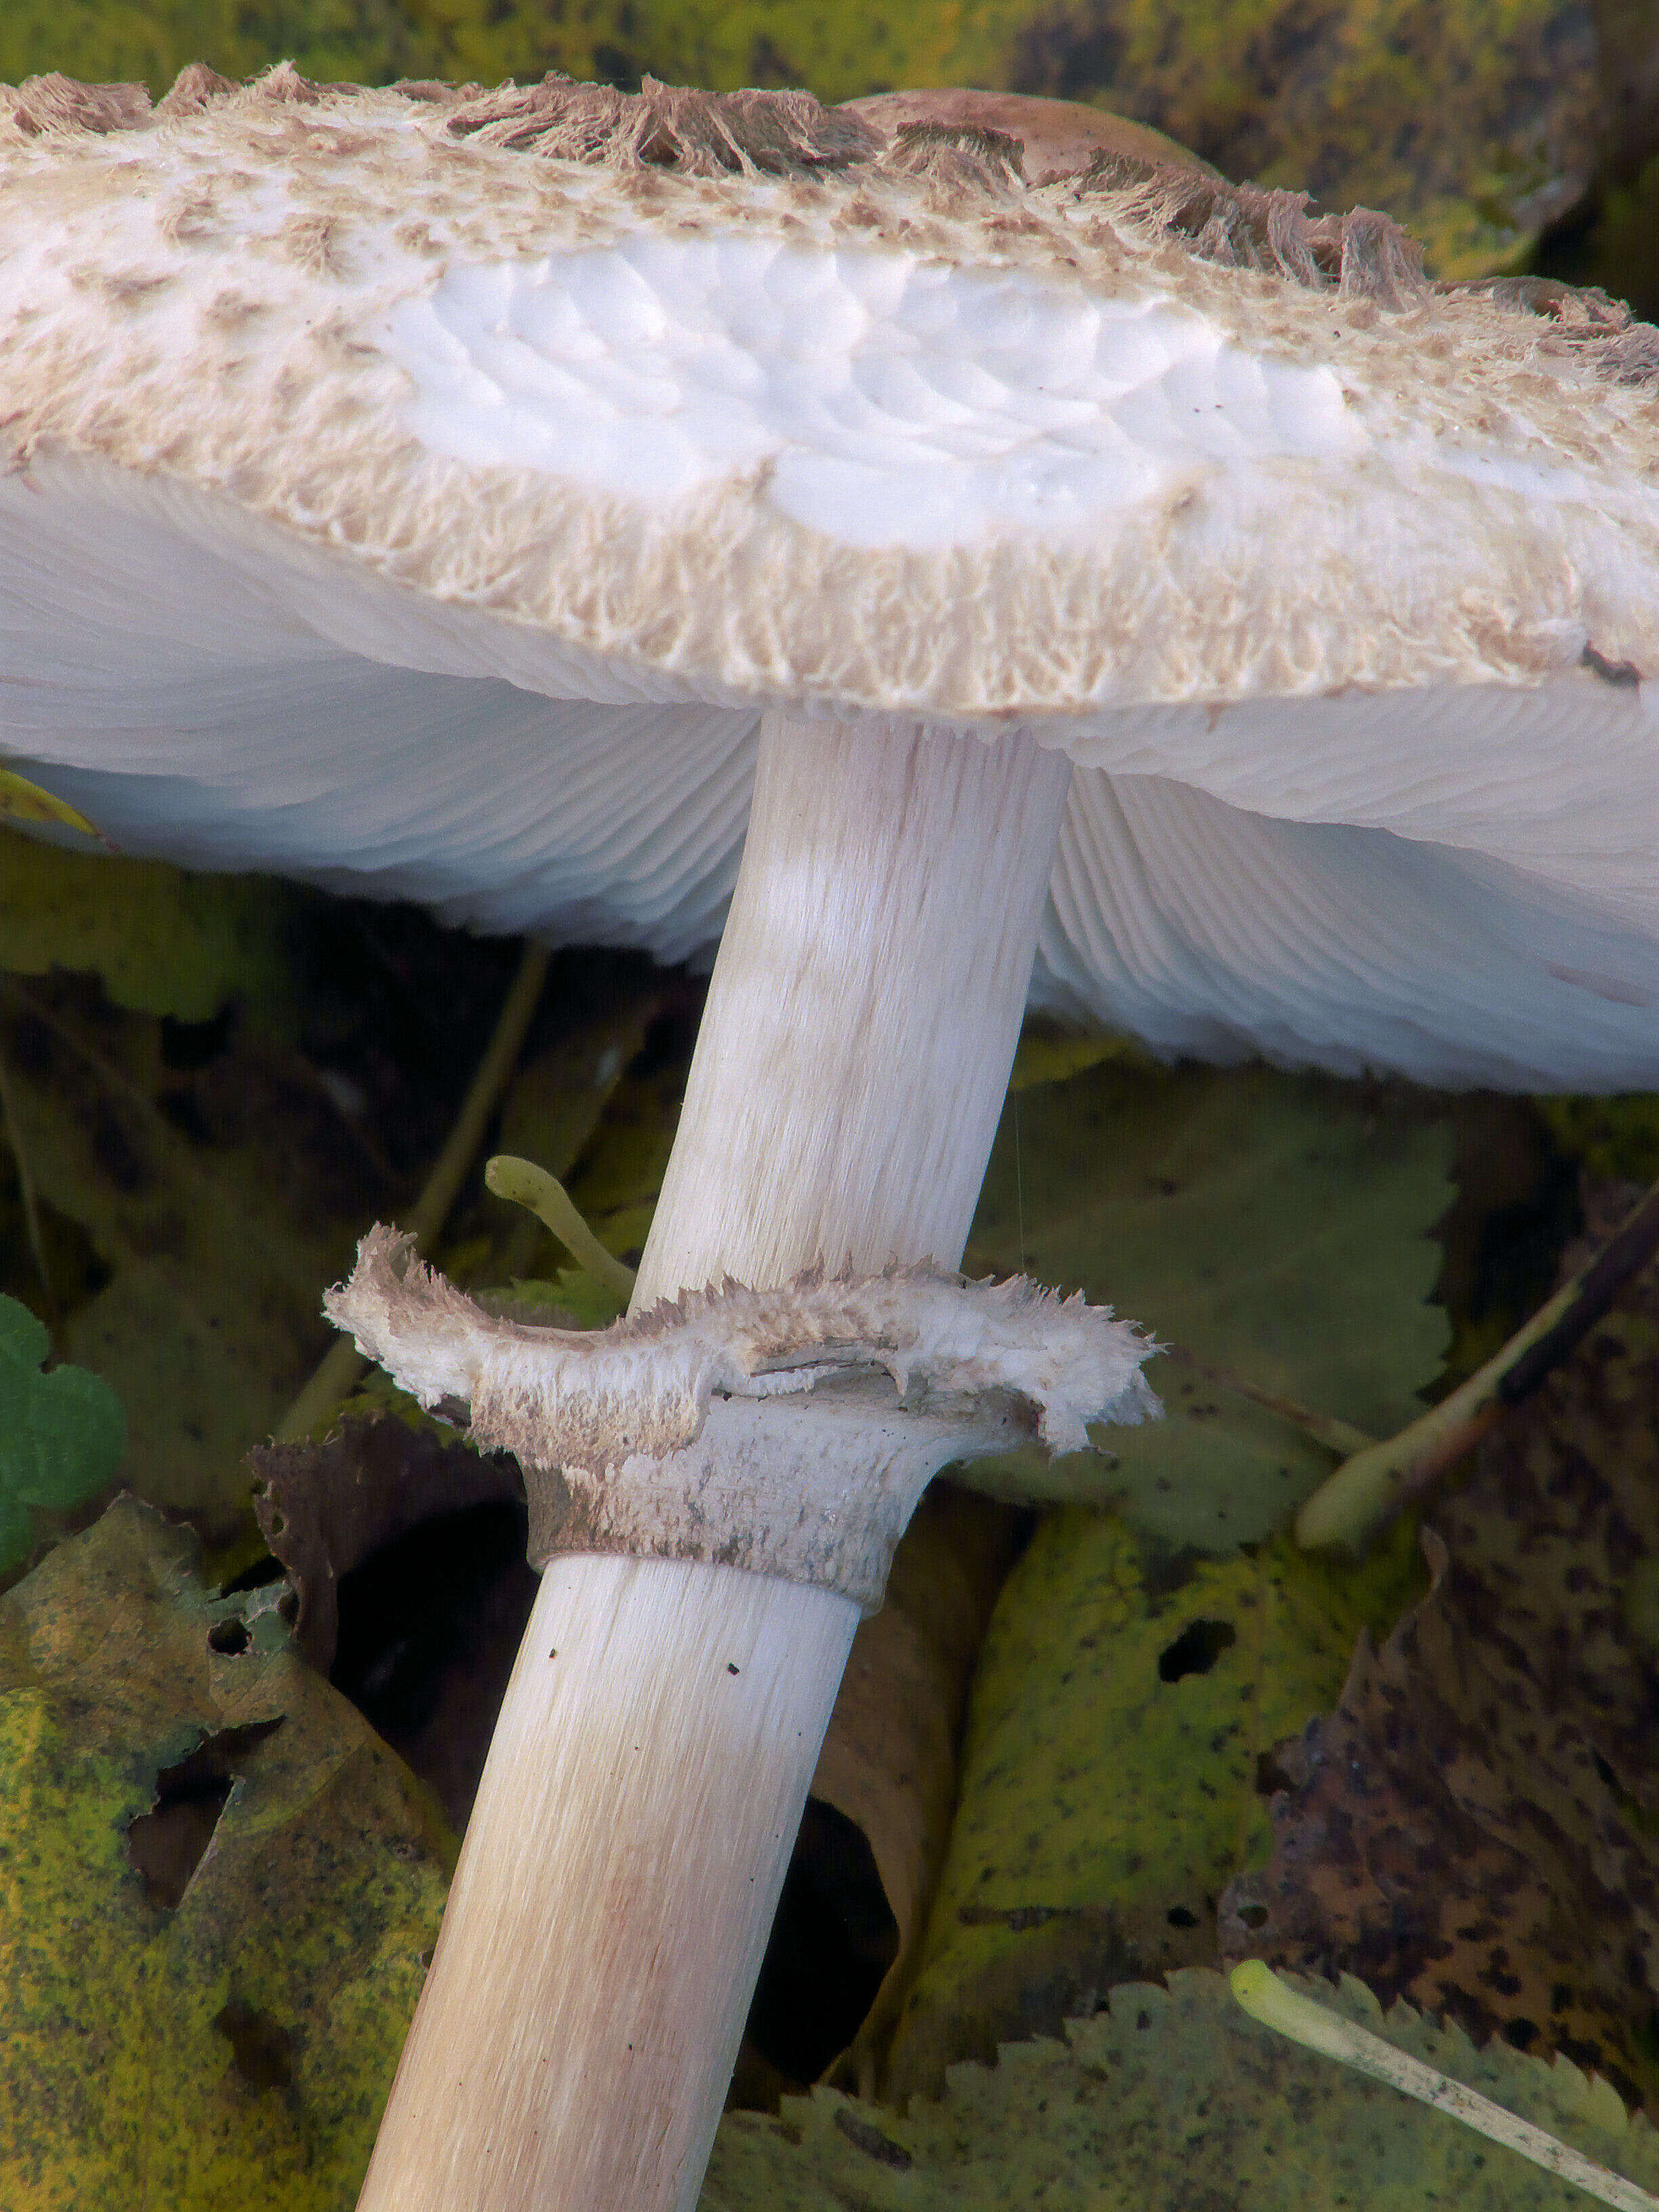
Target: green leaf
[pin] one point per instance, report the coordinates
(1119, 1734)
(572, 1299)
(218, 1202)
(1274, 1227)
(1173, 2100)
(1610, 1137)
(199, 2010)
(369, 41)
(62, 1434)
(163, 942)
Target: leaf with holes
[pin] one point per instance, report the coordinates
(60, 1434)
(217, 1888)
(1174, 2100)
(1273, 1227)
(1116, 1769)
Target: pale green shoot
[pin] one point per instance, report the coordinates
(527, 1185)
(1272, 2001)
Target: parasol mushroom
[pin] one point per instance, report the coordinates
(450, 493)
(1377, 794)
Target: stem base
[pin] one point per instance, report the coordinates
(620, 1874)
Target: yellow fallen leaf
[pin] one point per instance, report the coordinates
(23, 801)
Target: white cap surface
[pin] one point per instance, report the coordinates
(428, 491)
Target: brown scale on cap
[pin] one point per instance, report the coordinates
(1057, 137)
(979, 145)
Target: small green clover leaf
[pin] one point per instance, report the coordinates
(62, 1434)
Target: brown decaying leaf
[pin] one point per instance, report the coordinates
(888, 1761)
(325, 1508)
(1475, 1827)
(440, 1607)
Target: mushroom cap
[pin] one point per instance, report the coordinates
(429, 489)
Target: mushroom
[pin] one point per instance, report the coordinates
(469, 495)
(1379, 795)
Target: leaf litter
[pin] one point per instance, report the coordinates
(1473, 1827)
(1275, 1228)
(1144, 1179)
(216, 1197)
(218, 1891)
(1116, 1769)
(888, 1768)
(1170, 2099)
(212, 1085)
(62, 1434)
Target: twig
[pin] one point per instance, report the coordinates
(1338, 1437)
(1261, 1994)
(341, 1365)
(1372, 1486)
(25, 1191)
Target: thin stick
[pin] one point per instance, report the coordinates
(1369, 1488)
(25, 1190)
(1261, 1994)
(1324, 1429)
(340, 1366)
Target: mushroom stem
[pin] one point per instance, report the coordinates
(608, 1915)
(864, 1007)
(636, 1817)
